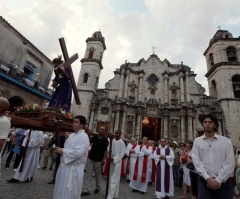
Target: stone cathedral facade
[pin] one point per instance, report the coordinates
(156, 98)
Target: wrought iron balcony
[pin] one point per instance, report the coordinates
(18, 78)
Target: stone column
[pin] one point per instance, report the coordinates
(181, 87)
(116, 120)
(140, 88)
(91, 119)
(120, 93)
(183, 133)
(166, 88)
(112, 121)
(165, 125)
(187, 87)
(190, 133)
(138, 123)
(126, 85)
(220, 127)
(123, 123)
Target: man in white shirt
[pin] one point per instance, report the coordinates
(73, 157)
(213, 158)
(117, 153)
(4, 125)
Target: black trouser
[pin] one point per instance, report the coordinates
(194, 183)
(17, 159)
(9, 157)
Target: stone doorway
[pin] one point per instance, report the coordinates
(151, 128)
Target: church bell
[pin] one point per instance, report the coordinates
(237, 89)
(231, 56)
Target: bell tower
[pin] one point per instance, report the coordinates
(223, 74)
(90, 73)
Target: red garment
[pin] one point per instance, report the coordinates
(153, 166)
(128, 161)
(144, 170)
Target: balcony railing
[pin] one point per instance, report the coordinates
(19, 78)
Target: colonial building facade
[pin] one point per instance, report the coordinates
(155, 98)
(25, 72)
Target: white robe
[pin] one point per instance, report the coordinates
(137, 184)
(132, 162)
(68, 183)
(170, 160)
(118, 151)
(150, 158)
(32, 156)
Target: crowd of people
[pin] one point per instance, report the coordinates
(207, 167)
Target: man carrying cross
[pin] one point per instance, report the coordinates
(63, 82)
(62, 96)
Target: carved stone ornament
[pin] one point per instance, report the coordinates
(174, 86)
(152, 111)
(133, 84)
(104, 110)
(201, 90)
(108, 85)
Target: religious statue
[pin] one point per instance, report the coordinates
(62, 96)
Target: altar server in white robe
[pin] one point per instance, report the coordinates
(30, 164)
(164, 158)
(68, 184)
(118, 151)
(139, 179)
(131, 159)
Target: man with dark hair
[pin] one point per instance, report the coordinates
(70, 173)
(117, 153)
(213, 158)
(96, 160)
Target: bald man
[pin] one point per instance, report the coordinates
(96, 160)
(4, 124)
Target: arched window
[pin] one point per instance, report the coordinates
(132, 92)
(152, 92)
(231, 54)
(211, 59)
(15, 101)
(90, 55)
(85, 78)
(174, 94)
(214, 89)
(236, 85)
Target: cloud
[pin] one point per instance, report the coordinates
(180, 30)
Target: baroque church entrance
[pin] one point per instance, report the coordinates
(151, 128)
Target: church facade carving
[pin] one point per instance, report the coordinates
(155, 98)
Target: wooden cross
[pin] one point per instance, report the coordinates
(153, 49)
(67, 64)
(219, 27)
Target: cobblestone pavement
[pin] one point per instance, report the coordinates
(39, 189)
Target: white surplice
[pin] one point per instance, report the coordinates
(170, 160)
(118, 151)
(31, 160)
(137, 184)
(68, 183)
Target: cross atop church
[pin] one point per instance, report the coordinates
(219, 27)
(153, 49)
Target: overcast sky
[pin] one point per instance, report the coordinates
(179, 29)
